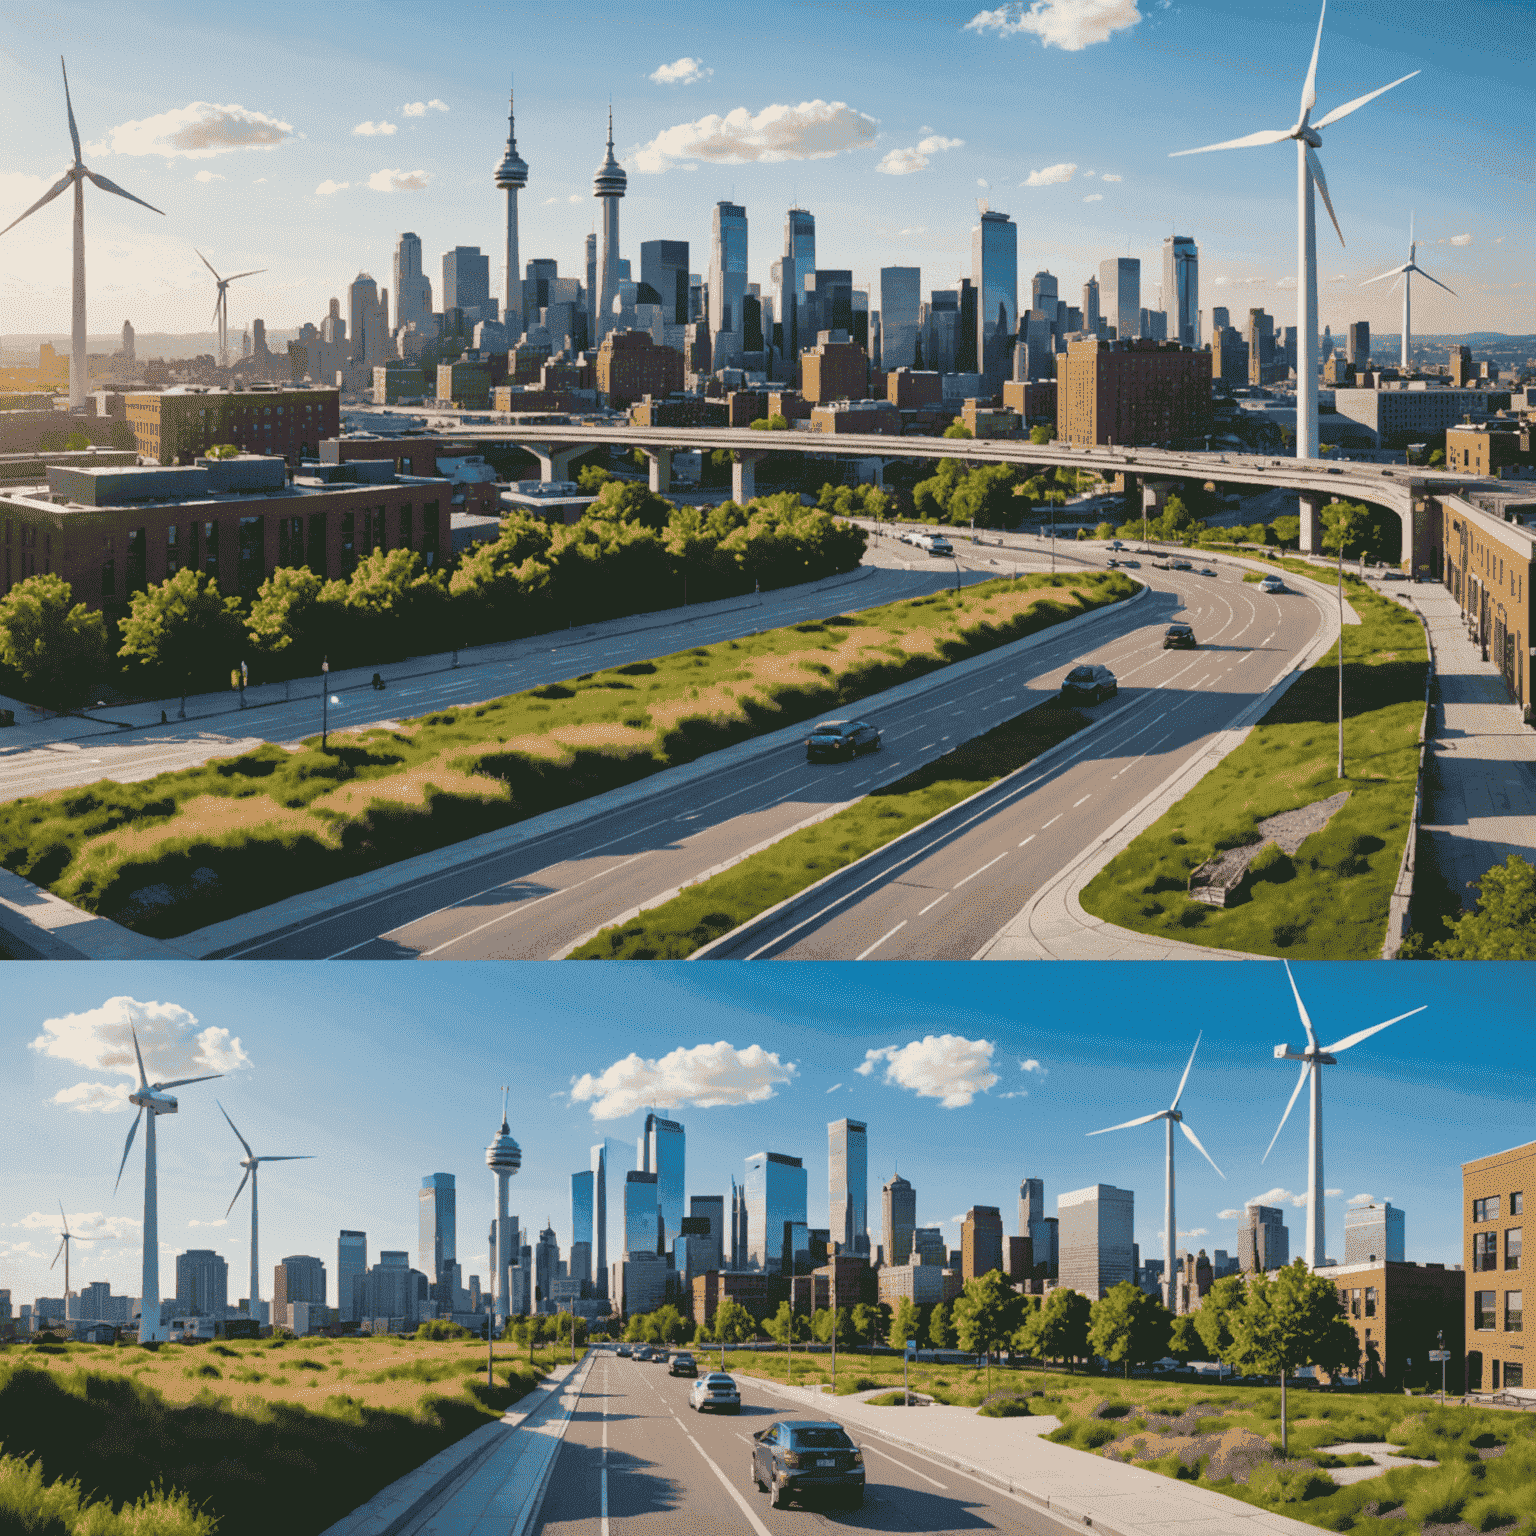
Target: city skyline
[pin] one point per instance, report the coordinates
(948, 1154)
(242, 179)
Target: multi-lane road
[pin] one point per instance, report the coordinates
(637, 1460)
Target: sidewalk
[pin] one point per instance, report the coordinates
(1109, 1496)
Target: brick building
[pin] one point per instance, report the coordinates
(687, 411)
(174, 426)
(630, 366)
(1485, 448)
(981, 1241)
(465, 382)
(1493, 1219)
(857, 416)
(760, 1293)
(834, 369)
(1034, 401)
(908, 388)
(1489, 567)
(1399, 1313)
(1132, 393)
(983, 419)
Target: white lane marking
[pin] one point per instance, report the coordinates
(984, 868)
(1028, 839)
(604, 1470)
(1054, 819)
(730, 1487)
(878, 942)
(932, 904)
(1077, 803)
(905, 1468)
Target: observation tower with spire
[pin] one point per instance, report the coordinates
(503, 1157)
(608, 184)
(512, 177)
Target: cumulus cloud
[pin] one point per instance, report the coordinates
(681, 72)
(981, 181)
(399, 181)
(706, 1076)
(1071, 25)
(1052, 175)
(93, 1098)
(949, 1068)
(1231, 1214)
(1242, 282)
(813, 130)
(89, 1226)
(1107, 177)
(224, 1222)
(902, 162)
(1094, 197)
(1361, 1200)
(1461, 239)
(374, 130)
(197, 131)
(326, 188)
(913, 229)
(1193, 1232)
(421, 108)
(1286, 282)
(207, 176)
(1031, 1065)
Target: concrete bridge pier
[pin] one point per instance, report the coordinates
(555, 459)
(744, 475)
(661, 470)
(1311, 524)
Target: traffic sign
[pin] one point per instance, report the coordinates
(1439, 1354)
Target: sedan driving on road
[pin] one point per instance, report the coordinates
(1089, 685)
(1271, 583)
(716, 1390)
(1179, 637)
(840, 739)
(797, 1457)
(683, 1364)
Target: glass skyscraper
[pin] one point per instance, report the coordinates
(995, 272)
(775, 1193)
(728, 268)
(848, 1184)
(664, 265)
(1181, 289)
(899, 1219)
(640, 1213)
(437, 1245)
(581, 1223)
(600, 1216)
(798, 264)
(351, 1265)
(662, 1149)
(901, 299)
(1120, 294)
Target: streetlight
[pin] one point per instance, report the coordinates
(325, 700)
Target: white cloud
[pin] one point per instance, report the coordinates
(260, 181)
(198, 131)
(813, 130)
(421, 108)
(93, 1098)
(102, 1039)
(549, 200)
(1338, 277)
(1052, 175)
(1018, 1093)
(1031, 1065)
(399, 181)
(1232, 1214)
(834, 1087)
(949, 1068)
(902, 162)
(981, 181)
(1107, 177)
(224, 1222)
(1332, 1194)
(1094, 197)
(1242, 282)
(1461, 239)
(706, 1076)
(372, 130)
(1278, 1196)
(1193, 1232)
(89, 1226)
(1068, 24)
(326, 188)
(914, 229)
(1361, 1200)
(208, 176)
(681, 72)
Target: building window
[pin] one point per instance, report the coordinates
(1514, 1374)
(1517, 1204)
(1370, 1303)
(211, 548)
(172, 555)
(1474, 1370)
(1485, 1251)
(1486, 1209)
(1512, 1248)
(406, 540)
(1513, 1311)
(1483, 1304)
(1354, 1303)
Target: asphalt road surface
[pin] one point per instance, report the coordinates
(538, 900)
(637, 1461)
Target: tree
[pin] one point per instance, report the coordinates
(631, 501)
(941, 1327)
(1184, 1339)
(223, 451)
(1041, 434)
(1292, 1320)
(731, 1324)
(1104, 531)
(821, 1326)
(289, 618)
(57, 647)
(870, 1322)
(1344, 525)
(986, 1313)
(1128, 1327)
(1059, 1330)
(184, 629)
(1213, 1318)
(76, 442)
(671, 1326)
(1504, 925)
(787, 1326)
(592, 478)
(904, 1321)
(958, 428)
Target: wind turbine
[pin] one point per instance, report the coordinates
(67, 1237)
(78, 175)
(1313, 1060)
(1309, 174)
(221, 320)
(251, 1163)
(1405, 272)
(1173, 1116)
(152, 1098)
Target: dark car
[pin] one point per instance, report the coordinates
(625, 1351)
(797, 1458)
(1131, 565)
(1181, 565)
(1179, 637)
(841, 739)
(1089, 685)
(683, 1364)
(642, 1352)
(660, 1356)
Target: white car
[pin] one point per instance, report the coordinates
(1271, 583)
(714, 1390)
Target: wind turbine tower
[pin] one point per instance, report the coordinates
(154, 1101)
(1406, 272)
(1313, 1059)
(503, 1157)
(1309, 175)
(1173, 1117)
(66, 1238)
(251, 1163)
(512, 177)
(77, 176)
(221, 315)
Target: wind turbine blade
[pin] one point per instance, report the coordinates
(1203, 1153)
(216, 303)
(1358, 102)
(74, 132)
(181, 1082)
(1365, 1034)
(143, 1080)
(1264, 136)
(243, 1183)
(1129, 1123)
(207, 264)
(47, 197)
(1315, 166)
(1395, 272)
(1301, 1008)
(112, 186)
(1306, 1067)
(252, 273)
(57, 1256)
(293, 1157)
(1180, 1094)
(1309, 90)
(1436, 281)
(127, 1148)
(64, 1218)
(241, 1139)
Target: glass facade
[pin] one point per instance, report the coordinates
(664, 265)
(581, 1206)
(798, 264)
(898, 1218)
(600, 1216)
(848, 1187)
(640, 1213)
(775, 1193)
(437, 1246)
(995, 272)
(351, 1265)
(664, 1149)
(728, 267)
(1120, 294)
(1181, 289)
(901, 296)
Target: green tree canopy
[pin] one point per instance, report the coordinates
(1041, 434)
(1215, 1314)
(987, 1312)
(56, 646)
(1059, 1330)
(941, 1327)
(1184, 1341)
(184, 629)
(904, 1324)
(958, 428)
(288, 618)
(786, 1326)
(1128, 1327)
(631, 501)
(1503, 926)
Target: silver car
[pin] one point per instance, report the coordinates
(715, 1390)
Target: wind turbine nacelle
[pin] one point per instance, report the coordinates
(1281, 1052)
(155, 1103)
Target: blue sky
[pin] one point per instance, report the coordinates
(955, 101)
(386, 1074)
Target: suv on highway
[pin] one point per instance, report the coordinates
(683, 1364)
(1179, 637)
(841, 739)
(1088, 684)
(796, 1457)
(716, 1390)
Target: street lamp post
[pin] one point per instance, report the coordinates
(325, 700)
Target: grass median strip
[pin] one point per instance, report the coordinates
(188, 848)
(1329, 900)
(700, 914)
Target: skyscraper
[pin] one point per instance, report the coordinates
(202, 1283)
(1181, 289)
(981, 1241)
(664, 265)
(299, 1277)
(1358, 343)
(898, 1211)
(1373, 1234)
(775, 1193)
(581, 1225)
(413, 289)
(1097, 1227)
(503, 1157)
(466, 278)
(995, 272)
(437, 1246)
(848, 1182)
(711, 1208)
(1091, 316)
(738, 1251)
(1221, 317)
(641, 1212)
(798, 263)
(351, 1266)
(901, 297)
(600, 1216)
(663, 1148)
(591, 303)
(1120, 294)
(608, 186)
(1043, 294)
(1263, 1243)
(512, 177)
(362, 307)
(546, 1268)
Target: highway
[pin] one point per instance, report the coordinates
(637, 1461)
(541, 898)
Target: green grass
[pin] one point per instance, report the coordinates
(32, 1505)
(1329, 901)
(715, 906)
(190, 848)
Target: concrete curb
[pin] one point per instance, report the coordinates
(1400, 909)
(37, 925)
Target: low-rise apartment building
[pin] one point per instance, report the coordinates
(1489, 567)
(1493, 1191)
(1400, 1312)
(174, 426)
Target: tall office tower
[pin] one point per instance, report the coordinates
(1091, 316)
(1097, 1227)
(333, 329)
(1031, 1205)
(662, 1152)
(1120, 294)
(965, 332)
(1043, 296)
(362, 306)
(775, 1193)
(1181, 289)
(298, 1278)
(981, 1241)
(351, 1265)
(437, 1245)
(711, 1208)
(728, 275)
(466, 278)
(664, 265)
(1373, 1234)
(1263, 1243)
(929, 1247)
(128, 343)
(608, 185)
(828, 305)
(503, 1157)
(591, 302)
(600, 1216)
(799, 262)
(898, 1213)
(1221, 317)
(413, 289)
(640, 1213)
(546, 1265)
(581, 1224)
(848, 1184)
(1261, 346)
(901, 296)
(512, 177)
(1359, 343)
(738, 1253)
(539, 278)
(995, 272)
(202, 1283)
